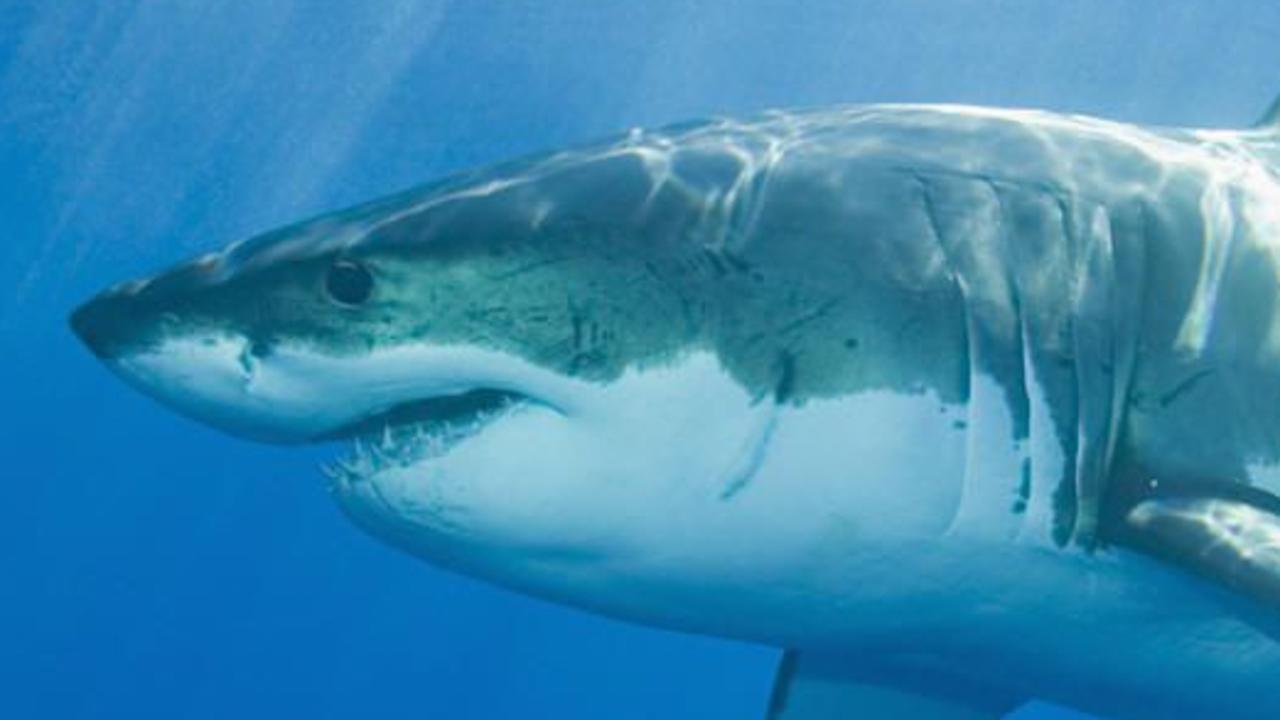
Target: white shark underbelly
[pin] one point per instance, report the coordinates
(933, 560)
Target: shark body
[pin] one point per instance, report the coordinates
(961, 406)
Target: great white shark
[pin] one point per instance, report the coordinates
(960, 406)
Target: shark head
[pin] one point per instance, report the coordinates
(567, 374)
(504, 353)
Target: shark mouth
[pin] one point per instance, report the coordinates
(412, 432)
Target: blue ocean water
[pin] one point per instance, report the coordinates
(154, 568)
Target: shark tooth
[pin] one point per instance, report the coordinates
(331, 471)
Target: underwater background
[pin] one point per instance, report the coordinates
(150, 567)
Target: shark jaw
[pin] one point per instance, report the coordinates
(417, 431)
(453, 446)
(401, 411)
(380, 399)
(631, 497)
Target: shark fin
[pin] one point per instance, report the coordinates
(810, 687)
(1232, 538)
(1270, 120)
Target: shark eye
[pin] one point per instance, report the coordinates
(349, 282)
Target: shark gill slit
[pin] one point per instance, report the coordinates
(1105, 321)
(1026, 465)
(928, 204)
(1051, 436)
(1018, 393)
(1002, 346)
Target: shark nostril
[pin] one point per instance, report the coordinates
(254, 351)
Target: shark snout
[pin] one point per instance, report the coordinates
(207, 373)
(138, 314)
(102, 323)
(289, 391)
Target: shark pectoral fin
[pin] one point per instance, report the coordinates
(1228, 539)
(809, 687)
